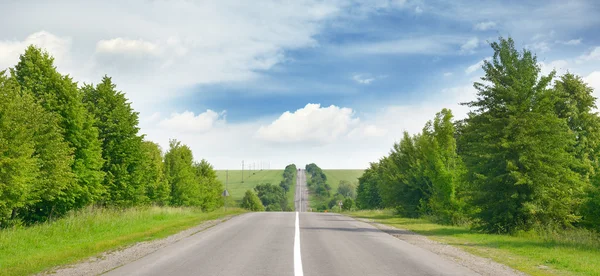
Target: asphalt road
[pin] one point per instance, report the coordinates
(301, 195)
(293, 243)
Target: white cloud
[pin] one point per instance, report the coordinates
(59, 47)
(126, 47)
(312, 124)
(485, 25)
(418, 10)
(559, 65)
(190, 123)
(470, 45)
(476, 66)
(447, 74)
(592, 55)
(540, 47)
(362, 79)
(570, 42)
(593, 80)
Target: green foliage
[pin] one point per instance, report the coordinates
(251, 202)
(289, 176)
(157, 188)
(517, 150)
(346, 189)
(121, 145)
(272, 196)
(181, 175)
(348, 204)
(58, 94)
(210, 187)
(318, 181)
(367, 192)
(35, 162)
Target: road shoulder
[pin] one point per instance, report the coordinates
(483, 266)
(110, 260)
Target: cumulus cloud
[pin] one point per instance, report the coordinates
(540, 47)
(126, 47)
(470, 45)
(58, 46)
(592, 55)
(190, 123)
(418, 10)
(447, 74)
(312, 124)
(559, 65)
(593, 80)
(476, 66)
(485, 25)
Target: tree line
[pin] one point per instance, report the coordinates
(318, 185)
(525, 157)
(65, 146)
(270, 197)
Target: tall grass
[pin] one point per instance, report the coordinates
(82, 234)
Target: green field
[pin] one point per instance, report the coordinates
(251, 178)
(29, 250)
(571, 252)
(334, 177)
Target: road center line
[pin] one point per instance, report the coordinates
(297, 257)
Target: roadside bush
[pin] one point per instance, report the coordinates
(252, 202)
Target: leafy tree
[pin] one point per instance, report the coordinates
(251, 202)
(210, 187)
(153, 174)
(271, 195)
(346, 189)
(35, 162)
(181, 174)
(58, 94)
(121, 145)
(367, 192)
(575, 103)
(517, 149)
(348, 204)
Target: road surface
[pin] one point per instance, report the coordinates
(301, 195)
(292, 243)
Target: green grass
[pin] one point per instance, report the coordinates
(573, 252)
(28, 250)
(251, 178)
(333, 179)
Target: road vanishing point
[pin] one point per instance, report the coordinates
(292, 243)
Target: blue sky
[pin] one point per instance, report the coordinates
(331, 82)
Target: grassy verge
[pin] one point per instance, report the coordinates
(237, 189)
(574, 252)
(25, 251)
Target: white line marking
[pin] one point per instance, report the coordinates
(297, 257)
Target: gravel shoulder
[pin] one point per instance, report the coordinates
(113, 259)
(480, 265)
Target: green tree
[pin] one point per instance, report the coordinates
(575, 103)
(181, 175)
(348, 204)
(118, 129)
(152, 166)
(35, 161)
(272, 195)
(210, 187)
(346, 189)
(58, 94)
(517, 148)
(251, 202)
(367, 192)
